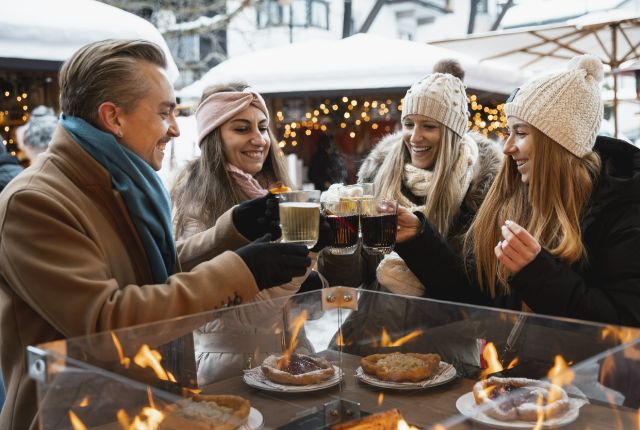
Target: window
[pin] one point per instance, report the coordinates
(306, 13)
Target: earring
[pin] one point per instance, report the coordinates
(119, 134)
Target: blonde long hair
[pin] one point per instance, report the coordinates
(204, 190)
(439, 208)
(550, 208)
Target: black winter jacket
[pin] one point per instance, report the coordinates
(604, 288)
(9, 169)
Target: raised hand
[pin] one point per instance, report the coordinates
(408, 225)
(274, 264)
(518, 248)
(257, 217)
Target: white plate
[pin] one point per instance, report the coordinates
(466, 404)
(255, 378)
(445, 373)
(255, 421)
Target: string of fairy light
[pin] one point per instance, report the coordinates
(356, 115)
(11, 96)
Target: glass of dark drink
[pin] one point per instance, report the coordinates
(343, 218)
(379, 224)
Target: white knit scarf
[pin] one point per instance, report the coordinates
(393, 272)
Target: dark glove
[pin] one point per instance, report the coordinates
(274, 263)
(325, 235)
(257, 217)
(312, 283)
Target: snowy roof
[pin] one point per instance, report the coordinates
(54, 30)
(362, 61)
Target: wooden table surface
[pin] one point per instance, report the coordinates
(425, 407)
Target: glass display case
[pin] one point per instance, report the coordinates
(162, 375)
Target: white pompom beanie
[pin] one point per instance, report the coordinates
(439, 96)
(565, 106)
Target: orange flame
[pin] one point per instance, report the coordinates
(540, 412)
(84, 402)
(148, 419)
(189, 392)
(340, 340)
(559, 375)
(386, 342)
(513, 363)
(439, 427)
(125, 361)
(490, 355)
(76, 422)
(380, 398)
(295, 326)
(147, 357)
(624, 335)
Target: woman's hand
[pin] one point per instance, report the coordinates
(518, 248)
(408, 225)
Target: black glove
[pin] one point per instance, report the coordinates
(274, 263)
(325, 235)
(257, 217)
(312, 283)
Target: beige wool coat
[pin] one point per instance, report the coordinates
(71, 264)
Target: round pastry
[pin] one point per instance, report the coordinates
(510, 399)
(400, 367)
(297, 369)
(211, 412)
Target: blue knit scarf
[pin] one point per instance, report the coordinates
(140, 187)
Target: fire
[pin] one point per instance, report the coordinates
(624, 335)
(559, 375)
(490, 355)
(84, 402)
(380, 398)
(76, 422)
(540, 411)
(340, 340)
(125, 361)
(148, 419)
(295, 326)
(402, 425)
(386, 342)
(189, 392)
(147, 357)
(513, 363)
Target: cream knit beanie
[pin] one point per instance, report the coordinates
(439, 96)
(565, 106)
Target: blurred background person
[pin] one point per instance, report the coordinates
(327, 165)
(34, 138)
(9, 167)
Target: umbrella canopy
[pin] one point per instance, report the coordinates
(44, 33)
(611, 36)
(359, 62)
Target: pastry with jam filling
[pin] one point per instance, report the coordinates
(511, 399)
(296, 369)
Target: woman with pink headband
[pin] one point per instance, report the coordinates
(239, 163)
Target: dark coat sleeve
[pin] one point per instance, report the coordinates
(607, 291)
(440, 268)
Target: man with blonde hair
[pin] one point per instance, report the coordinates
(85, 237)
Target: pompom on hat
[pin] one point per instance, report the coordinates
(441, 97)
(565, 106)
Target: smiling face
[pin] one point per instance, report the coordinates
(246, 140)
(519, 146)
(421, 136)
(148, 128)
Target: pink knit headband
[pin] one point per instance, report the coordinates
(220, 107)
